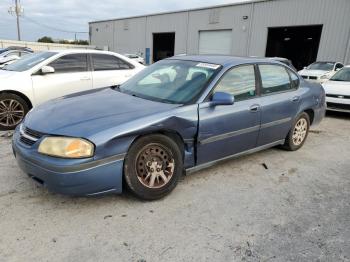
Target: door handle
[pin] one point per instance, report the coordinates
(296, 99)
(254, 108)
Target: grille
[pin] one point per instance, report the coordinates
(338, 106)
(29, 136)
(305, 77)
(338, 96)
(313, 77)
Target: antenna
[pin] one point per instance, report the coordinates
(17, 10)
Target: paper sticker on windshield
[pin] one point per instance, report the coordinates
(205, 65)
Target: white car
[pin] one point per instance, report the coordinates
(9, 55)
(338, 91)
(137, 58)
(42, 76)
(320, 71)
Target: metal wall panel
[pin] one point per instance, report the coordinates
(176, 22)
(130, 35)
(249, 36)
(332, 14)
(230, 17)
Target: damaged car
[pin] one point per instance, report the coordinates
(179, 115)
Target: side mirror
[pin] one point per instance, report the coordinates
(222, 98)
(304, 67)
(47, 70)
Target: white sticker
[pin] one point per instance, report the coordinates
(211, 66)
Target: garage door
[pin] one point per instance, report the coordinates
(215, 42)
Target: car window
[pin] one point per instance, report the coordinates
(294, 78)
(102, 62)
(239, 82)
(274, 78)
(70, 63)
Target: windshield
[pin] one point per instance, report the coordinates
(342, 75)
(28, 61)
(171, 81)
(2, 50)
(325, 66)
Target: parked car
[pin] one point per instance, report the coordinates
(136, 57)
(320, 71)
(11, 54)
(182, 113)
(47, 75)
(284, 61)
(338, 91)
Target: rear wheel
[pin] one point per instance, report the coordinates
(298, 133)
(12, 111)
(153, 166)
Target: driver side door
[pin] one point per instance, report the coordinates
(226, 130)
(71, 75)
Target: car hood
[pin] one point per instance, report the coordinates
(86, 114)
(316, 73)
(337, 87)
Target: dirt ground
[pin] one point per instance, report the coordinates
(297, 208)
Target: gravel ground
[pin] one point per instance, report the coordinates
(298, 209)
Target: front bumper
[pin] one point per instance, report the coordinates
(70, 177)
(338, 104)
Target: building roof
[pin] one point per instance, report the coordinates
(243, 2)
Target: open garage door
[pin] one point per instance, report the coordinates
(163, 45)
(297, 43)
(215, 42)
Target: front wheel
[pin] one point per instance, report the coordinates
(153, 166)
(298, 133)
(12, 111)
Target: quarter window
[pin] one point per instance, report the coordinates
(239, 82)
(70, 63)
(274, 79)
(294, 78)
(103, 62)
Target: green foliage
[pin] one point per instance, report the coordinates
(45, 39)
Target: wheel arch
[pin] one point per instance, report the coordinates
(21, 95)
(172, 134)
(311, 114)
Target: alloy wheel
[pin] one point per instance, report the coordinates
(300, 131)
(11, 112)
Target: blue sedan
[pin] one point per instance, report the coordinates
(178, 115)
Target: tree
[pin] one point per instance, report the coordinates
(45, 39)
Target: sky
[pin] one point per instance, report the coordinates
(46, 18)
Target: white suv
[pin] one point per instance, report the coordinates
(39, 77)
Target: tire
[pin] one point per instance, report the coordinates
(298, 133)
(13, 109)
(154, 158)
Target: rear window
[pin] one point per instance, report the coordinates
(103, 62)
(274, 79)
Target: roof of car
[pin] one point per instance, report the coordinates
(78, 50)
(222, 59)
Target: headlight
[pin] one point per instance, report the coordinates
(66, 147)
(324, 77)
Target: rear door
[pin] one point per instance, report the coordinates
(279, 102)
(71, 76)
(109, 70)
(225, 130)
